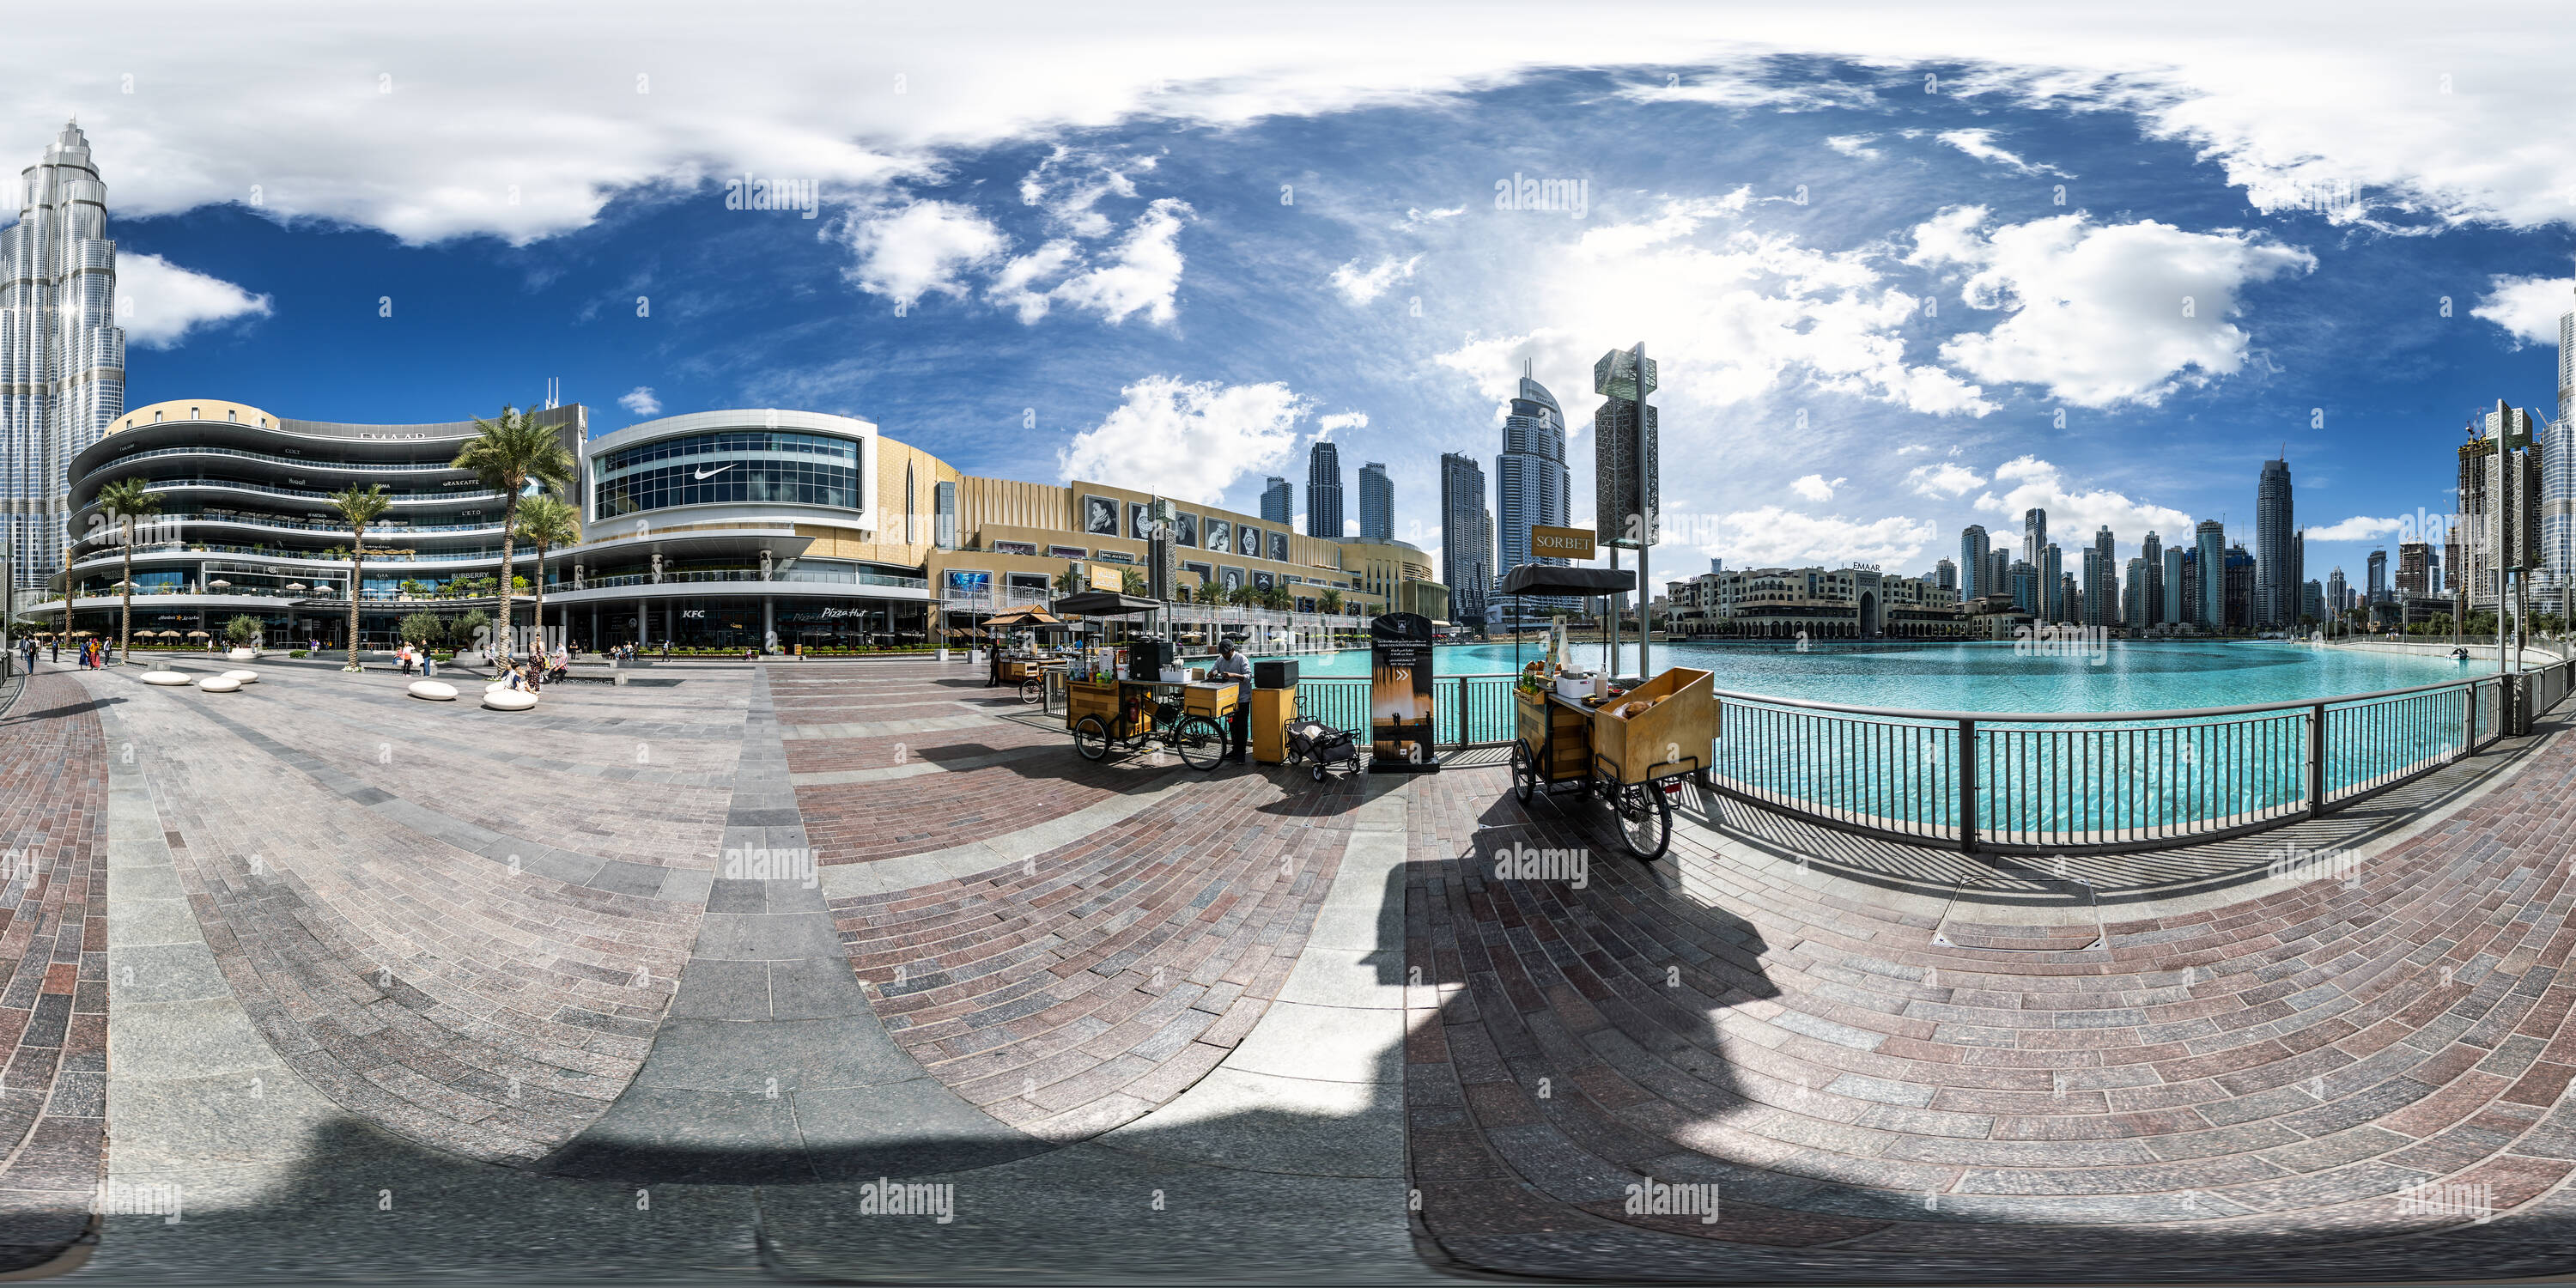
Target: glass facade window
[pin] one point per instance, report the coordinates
(788, 482)
(731, 443)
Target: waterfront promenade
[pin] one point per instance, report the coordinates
(407, 988)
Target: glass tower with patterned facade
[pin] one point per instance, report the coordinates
(1530, 484)
(62, 356)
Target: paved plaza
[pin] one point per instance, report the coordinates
(678, 979)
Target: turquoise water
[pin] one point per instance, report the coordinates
(1996, 677)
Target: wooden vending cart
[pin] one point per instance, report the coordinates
(1632, 750)
(1119, 714)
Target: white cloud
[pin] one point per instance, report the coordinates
(2034, 483)
(1359, 286)
(1944, 479)
(1341, 420)
(1187, 440)
(2528, 308)
(1814, 487)
(1772, 537)
(2357, 528)
(1981, 145)
(640, 401)
(923, 247)
(483, 102)
(2101, 314)
(1854, 145)
(160, 303)
(1420, 218)
(1911, 448)
(1727, 88)
(1141, 274)
(1737, 314)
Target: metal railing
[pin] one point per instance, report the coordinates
(2055, 783)
(294, 462)
(398, 498)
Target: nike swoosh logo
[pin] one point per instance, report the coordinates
(706, 474)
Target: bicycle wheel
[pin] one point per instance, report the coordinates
(1645, 820)
(1033, 688)
(1200, 742)
(1091, 738)
(1524, 773)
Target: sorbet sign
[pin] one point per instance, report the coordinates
(1560, 543)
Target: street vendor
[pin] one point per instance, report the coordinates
(1236, 665)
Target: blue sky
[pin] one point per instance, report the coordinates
(1890, 296)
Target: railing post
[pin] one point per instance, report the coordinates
(2469, 720)
(2316, 760)
(1967, 786)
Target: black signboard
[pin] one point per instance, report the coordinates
(1400, 704)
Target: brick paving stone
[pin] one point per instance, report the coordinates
(331, 835)
(53, 959)
(1093, 983)
(2224, 1092)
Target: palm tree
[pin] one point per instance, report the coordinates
(124, 500)
(547, 521)
(359, 508)
(506, 455)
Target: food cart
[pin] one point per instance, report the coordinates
(1631, 748)
(1023, 667)
(1107, 711)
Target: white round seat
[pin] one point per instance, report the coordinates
(167, 678)
(510, 700)
(219, 684)
(433, 691)
(243, 655)
(246, 677)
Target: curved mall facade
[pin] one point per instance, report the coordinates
(724, 528)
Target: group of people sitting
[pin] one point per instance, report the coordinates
(535, 670)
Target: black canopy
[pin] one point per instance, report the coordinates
(1105, 603)
(1550, 579)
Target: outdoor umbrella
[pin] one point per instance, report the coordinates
(295, 585)
(199, 635)
(219, 584)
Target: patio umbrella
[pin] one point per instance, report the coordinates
(199, 635)
(295, 585)
(219, 584)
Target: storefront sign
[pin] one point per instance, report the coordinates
(1561, 543)
(1106, 577)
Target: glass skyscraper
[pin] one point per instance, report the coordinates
(1466, 536)
(2275, 572)
(1377, 502)
(1530, 482)
(1278, 501)
(62, 356)
(1973, 580)
(1324, 491)
(2210, 536)
(2557, 576)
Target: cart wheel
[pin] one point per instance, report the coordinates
(1318, 771)
(1032, 689)
(1091, 738)
(1645, 819)
(1524, 773)
(1200, 741)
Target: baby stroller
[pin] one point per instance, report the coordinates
(1323, 747)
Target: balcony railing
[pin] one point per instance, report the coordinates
(292, 462)
(387, 531)
(398, 498)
